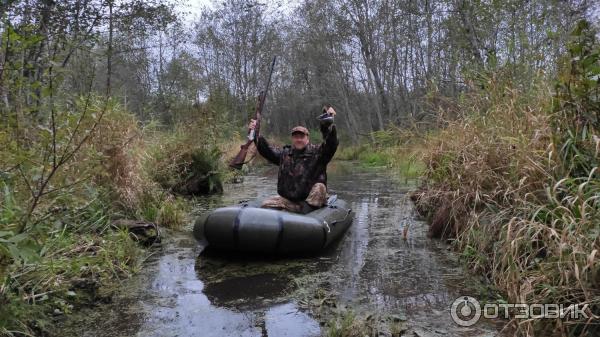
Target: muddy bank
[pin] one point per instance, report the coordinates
(395, 286)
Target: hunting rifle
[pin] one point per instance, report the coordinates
(240, 158)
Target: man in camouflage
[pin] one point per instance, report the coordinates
(302, 179)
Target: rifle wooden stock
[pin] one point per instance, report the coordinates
(240, 159)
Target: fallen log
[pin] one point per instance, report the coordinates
(146, 233)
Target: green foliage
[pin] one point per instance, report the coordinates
(73, 161)
(576, 104)
(74, 269)
(350, 152)
(375, 158)
(183, 166)
(205, 162)
(394, 148)
(59, 192)
(172, 213)
(163, 209)
(18, 247)
(149, 206)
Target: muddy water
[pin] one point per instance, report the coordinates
(384, 268)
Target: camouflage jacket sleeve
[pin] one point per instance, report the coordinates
(330, 143)
(270, 153)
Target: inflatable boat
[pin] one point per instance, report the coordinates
(248, 228)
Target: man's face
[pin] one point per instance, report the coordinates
(299, 140)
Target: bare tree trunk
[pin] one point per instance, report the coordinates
(110, 48)
(3, 87)
(466, 15)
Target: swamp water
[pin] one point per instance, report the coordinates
(397, 286)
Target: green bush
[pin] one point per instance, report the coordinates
(188, 170)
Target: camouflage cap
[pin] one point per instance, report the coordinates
(300, 129)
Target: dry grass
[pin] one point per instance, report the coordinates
(121, 142)
(495, 181)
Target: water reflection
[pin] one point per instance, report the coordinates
(283, 321)
(355, 245)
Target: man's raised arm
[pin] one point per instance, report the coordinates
(330, 140)
(270, 153)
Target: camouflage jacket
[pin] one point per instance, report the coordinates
(299, 170)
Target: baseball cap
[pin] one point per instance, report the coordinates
(300, 129)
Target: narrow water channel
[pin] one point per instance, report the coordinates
(187, 290)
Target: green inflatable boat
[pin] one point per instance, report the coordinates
(248, 228)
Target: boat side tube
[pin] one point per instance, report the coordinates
(252, 229)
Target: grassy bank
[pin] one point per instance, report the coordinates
(394, 149)
(515, 184)
(64, 184)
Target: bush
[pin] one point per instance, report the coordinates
(58, 194)
(183, 167)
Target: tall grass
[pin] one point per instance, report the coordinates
(515, 184)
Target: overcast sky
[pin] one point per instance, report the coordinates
(194, 7)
